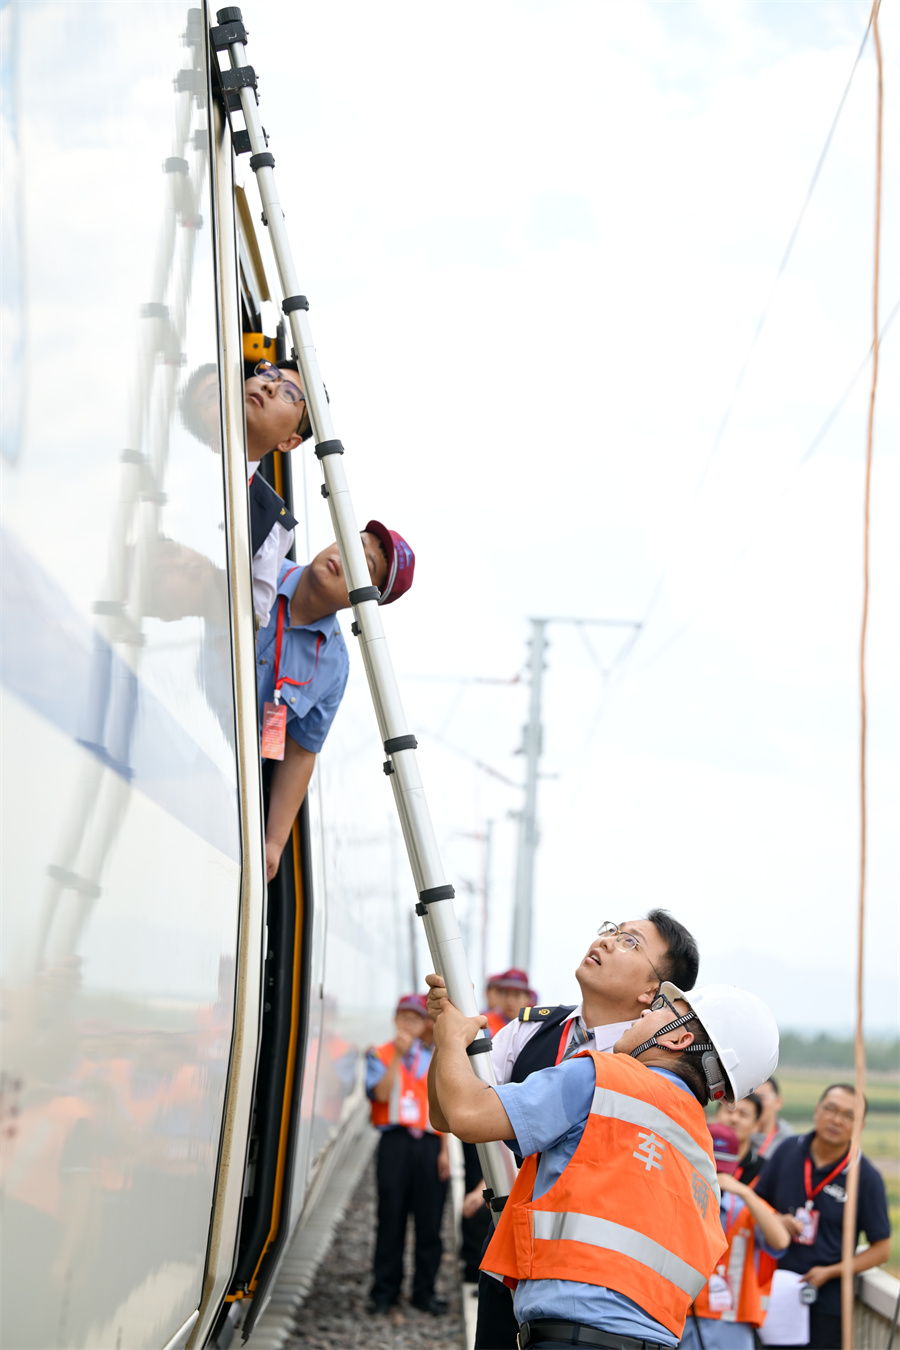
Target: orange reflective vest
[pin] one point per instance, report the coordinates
(408, 1102)
(496, 1021)
(637, 1207)
(748, 1272)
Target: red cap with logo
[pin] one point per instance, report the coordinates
(416, 1003)
(510, 979)
(401, 562)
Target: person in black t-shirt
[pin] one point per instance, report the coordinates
(806, 1183)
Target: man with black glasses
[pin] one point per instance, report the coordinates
(619, 977)
(806, 1182)
(277, 419)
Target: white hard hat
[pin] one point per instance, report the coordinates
(742, 1030)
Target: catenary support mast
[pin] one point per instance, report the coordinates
(435, 904)
(532, 748)
(533, 734)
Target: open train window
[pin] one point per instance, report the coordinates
(264, 1217)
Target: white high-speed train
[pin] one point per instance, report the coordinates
(181, 1048)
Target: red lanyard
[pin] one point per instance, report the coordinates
(767, 1141)
(279, 630)
(807, 1178)
(563, 1040)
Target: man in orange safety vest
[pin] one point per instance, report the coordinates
(612, 1226)
(413, 1163)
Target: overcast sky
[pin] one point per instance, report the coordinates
(537, 240)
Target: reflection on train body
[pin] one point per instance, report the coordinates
(123, 859)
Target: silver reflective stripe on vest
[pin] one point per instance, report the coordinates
(594, 1232)
(636, 1112)
(394, 1100)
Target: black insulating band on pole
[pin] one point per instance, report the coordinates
(400, 743)
(293, 301)
(433, 894)
(497, 1202)
(480, 1047)
(264, 160)
(328, 448)
(364, 593)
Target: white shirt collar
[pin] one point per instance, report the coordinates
(605, 1037)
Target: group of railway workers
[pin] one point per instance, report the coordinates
(632, 1223)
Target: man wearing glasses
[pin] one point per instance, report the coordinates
(806, 1182)
(619, 976)
(277, 419)
(612, 1226)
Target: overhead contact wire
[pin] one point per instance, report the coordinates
(850, 1209)
(726, 416)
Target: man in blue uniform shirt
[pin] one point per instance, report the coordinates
(806, 1182)
(302, 667)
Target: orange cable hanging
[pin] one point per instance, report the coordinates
(850, 1209)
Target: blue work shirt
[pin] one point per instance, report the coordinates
(548, 1113)
(312, 706)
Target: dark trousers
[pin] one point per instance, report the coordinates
(476, 1229)
(408, 1183)
(824, 1331)
(496, 1328)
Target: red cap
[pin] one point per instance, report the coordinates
(416, 1003)
(401, 562)
(510, 979)
(725, 1148)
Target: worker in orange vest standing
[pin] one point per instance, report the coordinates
(506, 993)
(728, 1311)
(612, 1226)
(413, 1163)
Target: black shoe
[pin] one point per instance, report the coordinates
(378, 1306)
(432, 1304)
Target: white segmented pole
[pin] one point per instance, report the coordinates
(441, 927)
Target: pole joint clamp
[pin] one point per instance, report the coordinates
(293, 301)
(480, 1046)
(364, 593)
(264, 160)
(227, 34)
(400, 743)
(240, 77)
(431, 897)
(328, 448)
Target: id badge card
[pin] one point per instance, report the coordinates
(809, 1218)
(409, 1109)
(273, 730)
(719, 1295)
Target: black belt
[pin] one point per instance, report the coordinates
(576, 1333)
